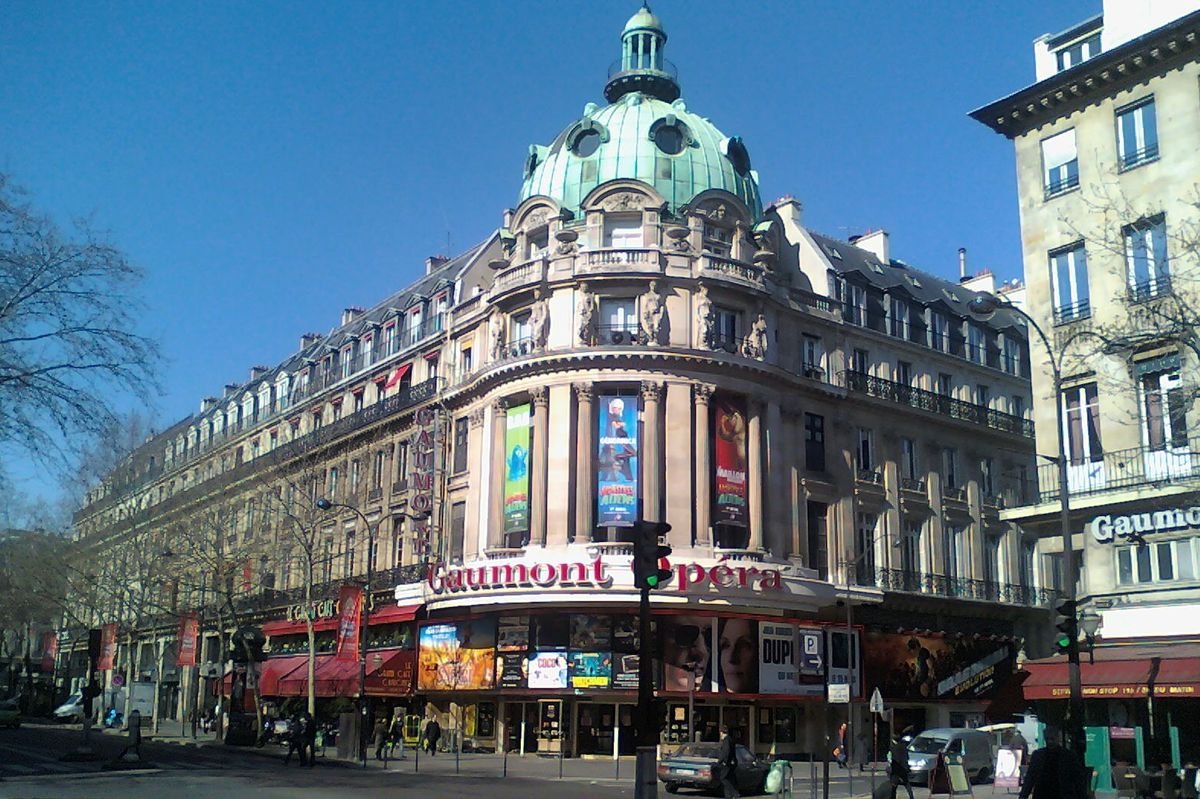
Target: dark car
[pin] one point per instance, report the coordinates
(10, 714)
(695, 766)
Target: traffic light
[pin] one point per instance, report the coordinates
(648, 554)
(1066, 625)
(247, 644)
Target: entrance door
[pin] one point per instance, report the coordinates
(627, 742)
(597, 723)
(514, 714)
(552, 725)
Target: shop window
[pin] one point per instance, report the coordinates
(461, 435)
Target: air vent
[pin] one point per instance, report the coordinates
(619, 337)
(877, 268)
(950, 295)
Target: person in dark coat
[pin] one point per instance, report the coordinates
(1055, 772)
(898, 754)
(310, 739)
(433, 731)
(294, 740)
(727, 764)
(381, 736)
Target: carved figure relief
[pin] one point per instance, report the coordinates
(587, 316)
(623, 201)
(705, 321)
(539, 319)
(654, 311)
(755, 345)
(496, 326)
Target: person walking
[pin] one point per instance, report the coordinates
(397, 735)
(309, 734)
(294, 740)
(381, 737)
(898, 754)
(433, 731)
(1055, 772)
(727, 763)
(839, 751)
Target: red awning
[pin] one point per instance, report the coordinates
(390, 614)
(1120, 671)
(398, 375)
(275, 669)
(391, 673)
(288, 627)
(333, 678)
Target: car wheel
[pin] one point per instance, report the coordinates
(672, 787)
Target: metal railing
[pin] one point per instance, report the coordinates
(619, 334)
(1072, 312)
(1139, 157)
(619, 67)
(936, 403)
(1124, 468)
(1056, 187)
(1150, 288)
(914, 582)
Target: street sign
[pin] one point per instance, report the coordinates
(810, 651)
(876, 705)
(839, 694)
(118, 680)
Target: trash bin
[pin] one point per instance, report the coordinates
(779, 779)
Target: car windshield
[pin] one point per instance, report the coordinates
(928, 744)
(73, 699)
(697, 750)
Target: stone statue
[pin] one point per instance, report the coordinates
(587, 316)
(654, 311)
(539, 320)
(705, 322)
(496, 322)
(755, 345)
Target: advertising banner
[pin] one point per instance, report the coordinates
(394, 676)
(108, 647)
(513, 635)
(49, 651)
(516, 469)
(591, 633)
(617, 461)
(908, 667)
(185, 640)
(548, 670)
(777, 658)
(687, 652)
(737, 648)
(625, 634)
(625, 671)
(458, 656)
(349, 612)
(729, 461)
(512, 668)
(591, 669)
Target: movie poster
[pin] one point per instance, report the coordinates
(512, 669)
(549, 670)
(782, 667)
(516, 469)
(625, 671)
(457, 656)
(617, 461)
(49, 651)
(513, 634)
(687, 647)
(915, 667)
(591, 633)
(737, 656)
(729, 461)
(108, 647)
(591, 669)
(185, 642)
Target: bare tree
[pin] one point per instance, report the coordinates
(68, 321)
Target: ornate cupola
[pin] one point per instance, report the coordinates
(642, 67)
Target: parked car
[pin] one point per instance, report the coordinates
(10, 714)
(973, 746)
(695, 766)
(71, 710)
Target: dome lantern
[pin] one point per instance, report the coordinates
(642, 67)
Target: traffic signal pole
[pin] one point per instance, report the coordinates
(648, 574)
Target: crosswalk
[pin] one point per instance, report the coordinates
(22, 761)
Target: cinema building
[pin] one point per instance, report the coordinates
(826, 431)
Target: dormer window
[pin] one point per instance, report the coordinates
(586, 138)
(1079, 51)
(538, 243)
(623, 231)
(670, 135)
(717, 239)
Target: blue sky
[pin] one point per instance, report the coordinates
(270, 163)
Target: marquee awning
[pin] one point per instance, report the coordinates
(387, 614)
(1121, 671)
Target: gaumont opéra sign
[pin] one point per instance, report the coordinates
(1134, 525)
(594, 574)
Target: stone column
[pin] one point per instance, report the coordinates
(650, 455)
(585, 447)
(754, 468)
(495, 514)
(701, 393)
(558, 466)
(541, 452)
(775, 482)
(679, 500)
(477, 491)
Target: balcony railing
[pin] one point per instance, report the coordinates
(719, 267)
(619, 335)
(1138, 157)
(612, 259)
(1150, 288)
(936, 403)
(1124, 468)
(913, 582)
(1072, 312)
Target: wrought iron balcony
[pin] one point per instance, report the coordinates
(1124, 468)
(914, 582)
(936, 403)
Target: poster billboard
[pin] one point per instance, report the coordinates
(512, 670)
(625, 671)
(108, 647)
(591, 633)
(457, 656)
(737, 656)
(908, 667)
(591, 669)
(349, 612)
(49, 651)
(777, 658)
(548, 670)
(729, 462)
(185, 641)
(516, 469)
(687, 652)
(616, 461)
(513, 634)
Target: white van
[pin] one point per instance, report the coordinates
(71, 710)
(973, 746)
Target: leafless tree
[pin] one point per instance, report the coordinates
(69, 346)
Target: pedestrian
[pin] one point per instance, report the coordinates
(294, 740)
(433, 731)
(381, 737)
(310, 739)
(397, 735)
(135, 735)
(900, 775)
(1055, 772)
(839, 751)
(727, 763)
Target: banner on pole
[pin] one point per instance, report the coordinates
(108, 647)
(617, 461)
(185, 640)
(49, 651)
(349, 612)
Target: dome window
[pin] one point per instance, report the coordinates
(587, 138)
(670, 135)
(738, 155)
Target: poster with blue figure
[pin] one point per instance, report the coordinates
(617, 461)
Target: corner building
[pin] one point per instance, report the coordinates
(828, 435)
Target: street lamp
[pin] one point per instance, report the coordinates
(1091, 622)
(984, 306)
(692, 667)
(326, 505)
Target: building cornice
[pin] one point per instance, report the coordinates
(1154, 53)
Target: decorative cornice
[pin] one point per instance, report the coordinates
(652, 391)
(540, 396)
(584, 392)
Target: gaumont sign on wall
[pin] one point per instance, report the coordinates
(493, 576)
(1135, 525)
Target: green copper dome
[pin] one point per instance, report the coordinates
(644, 134)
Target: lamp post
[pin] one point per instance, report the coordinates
(985, 306)
(692, 667)
(1090, 622)
(326, 505)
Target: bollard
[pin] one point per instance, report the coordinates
(505, 774)
(645, 784)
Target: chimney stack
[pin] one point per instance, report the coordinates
(231, 389)
(308, 339)
(258, 371)
(433, 262)
(962, 263)
(350, 314)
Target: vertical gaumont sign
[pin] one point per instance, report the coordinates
(423, 470)
(185, 641)
(516, 469)
(349, 612)
(617, 461)
(729, 462)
